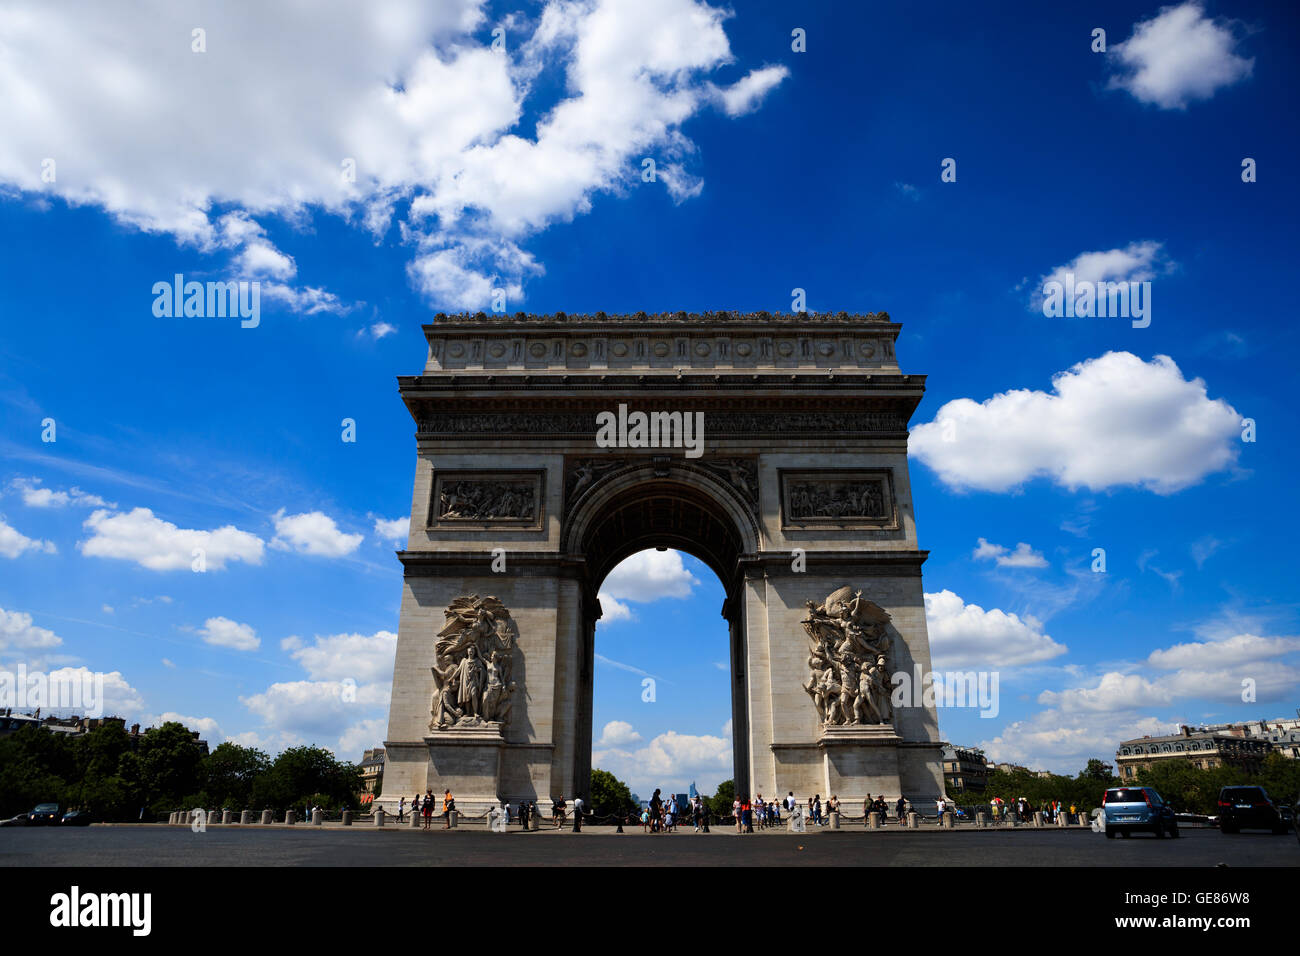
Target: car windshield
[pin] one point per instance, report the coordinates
(47, 807)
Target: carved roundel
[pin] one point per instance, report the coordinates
(497, 350)
(826, 349)
(537, 350)
(455, 350)
(619, 349)
(744, 350)
(785, 349)
(867, 349)
(702, 349)
(661, 349)
(578, 350)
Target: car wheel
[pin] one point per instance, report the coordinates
(1173, 831)
(1160, 830)
(1110, 834)
(1124, 834)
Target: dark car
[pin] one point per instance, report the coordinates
(45, 814)
(18, 821)
(1127, 809)
(1250, 808)
(76, 818)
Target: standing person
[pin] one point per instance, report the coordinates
(523, 814)
(899, 808)
(401, 810)
(747, 811)
(428, 809)
(790, 802)
(578, 806)
(735, 809)
(447, 803)
(656, 811)
(817, 809)
(940, 806)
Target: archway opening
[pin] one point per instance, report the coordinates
(663, 696)
(640, 532)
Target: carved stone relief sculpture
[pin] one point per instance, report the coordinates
(848, 655)
(473, 661)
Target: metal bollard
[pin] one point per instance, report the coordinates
(911, 820)
(1062, 819)
(1038, 818)
(227, 816)
(873, 820)
(835, 820)
(317, 817)
(214, 816)
(980, 819)
(268, 817)
(380, 816)
(949, 820)
(245, 817)
(347, 818)
(290, 817)
(535, 820)
(415, 820)
(453, 819)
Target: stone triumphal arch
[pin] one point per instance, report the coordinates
(525, 498)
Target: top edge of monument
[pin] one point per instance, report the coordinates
(444, 321)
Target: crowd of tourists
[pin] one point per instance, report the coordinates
(1021, 809)
(664, 815)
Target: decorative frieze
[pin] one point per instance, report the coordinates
(847, 499)
(532, 424)
(479, 497)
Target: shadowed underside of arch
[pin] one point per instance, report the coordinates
(641, 509)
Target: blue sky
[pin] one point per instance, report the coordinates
(521, 169)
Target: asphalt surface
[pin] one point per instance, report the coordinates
(136, 845)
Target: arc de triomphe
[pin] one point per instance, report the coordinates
(798, 498)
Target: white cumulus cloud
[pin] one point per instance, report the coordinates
(159, 545)
(1177, 57)
(312, 532)
(966, 635)
(617, 733)
(394, 529)
(223, 632)
(1109, 421)
(36, 496)
(1022, 557)
(427, 125)
(13, 542)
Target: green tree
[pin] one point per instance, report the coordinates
(171, 765)
(36, 766)
(1097, 770)
(610, 796)
(231, 771)
(720, 802)
(300, 773)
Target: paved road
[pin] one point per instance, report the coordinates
(306, 846)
